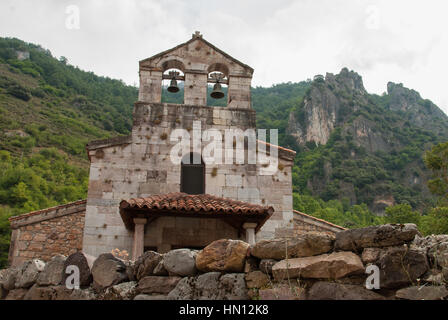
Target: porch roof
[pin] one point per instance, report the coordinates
(181, 204)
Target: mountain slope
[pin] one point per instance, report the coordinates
(364, 147)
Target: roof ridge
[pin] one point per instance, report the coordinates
(36, 212)
(318, 219)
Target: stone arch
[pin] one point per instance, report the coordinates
(220, 67)
(172, 63)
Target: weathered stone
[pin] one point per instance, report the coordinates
(207, 287)
(266, 265)
(28, 273)
(53, 272)
(180, 262)
(422, 293)
(251, 264)
(305, 245)
(233, 286)
(150, 297)
(184, 290)
(8, 281)
(108, 271)
(210, 286)
(400, 266)
(130, 269)
(16, 294)
(58, 293)
(160, 270)
(375, 236)
(223, 255)
(80, 260)
(282, 292)
(156, 284)
(145, 264)
(335, 291)
(122, 291)
(327, 266)
(370, 255)
(434, 277)
(256, 279)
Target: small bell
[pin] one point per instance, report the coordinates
(173, 86)
(217, 92)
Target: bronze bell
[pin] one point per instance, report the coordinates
(173, 86)
(217, 92)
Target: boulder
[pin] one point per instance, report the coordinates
(157, 284)
(16, 294)
(122, 291)
(256, 279)
(58, 293)
(223, 255)
(266, 265)
(304, 245)
(53, 272)
(8, 281)
(211, 286)
(233, 286)
(180, 262)
(282, 292)
(207, 287)
(400, 266)
(145, 264)
(160, 270)
(28, 273)
(370, 255)
(185, 288)
(107, 271)
(422, 293)
(375, 236)
(326, 266)
(80, 260)
(335, 291)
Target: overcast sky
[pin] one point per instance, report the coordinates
(283, 40)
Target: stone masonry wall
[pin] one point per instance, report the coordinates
(309, 266)
(45, 233)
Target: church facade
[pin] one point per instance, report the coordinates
(149, 191)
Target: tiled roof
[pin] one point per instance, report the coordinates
(201, 204)
(195, 203)
(319, 220)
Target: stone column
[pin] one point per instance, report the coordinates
(139, 238)
(250, 232)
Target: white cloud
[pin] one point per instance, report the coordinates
(284, 40)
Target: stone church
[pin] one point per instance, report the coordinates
(139, 199)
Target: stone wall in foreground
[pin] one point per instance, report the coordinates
(310, 266)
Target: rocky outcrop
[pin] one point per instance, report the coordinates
(327, 266)
(303, 245)
(375, 236)
(223, 255)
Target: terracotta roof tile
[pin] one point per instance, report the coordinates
(178, 203)
(33, 213)
(195, 203)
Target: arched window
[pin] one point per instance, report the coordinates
(192, 174)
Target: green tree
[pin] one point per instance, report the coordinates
(402, 213)
(436, 160)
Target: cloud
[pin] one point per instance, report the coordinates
(284, 40)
